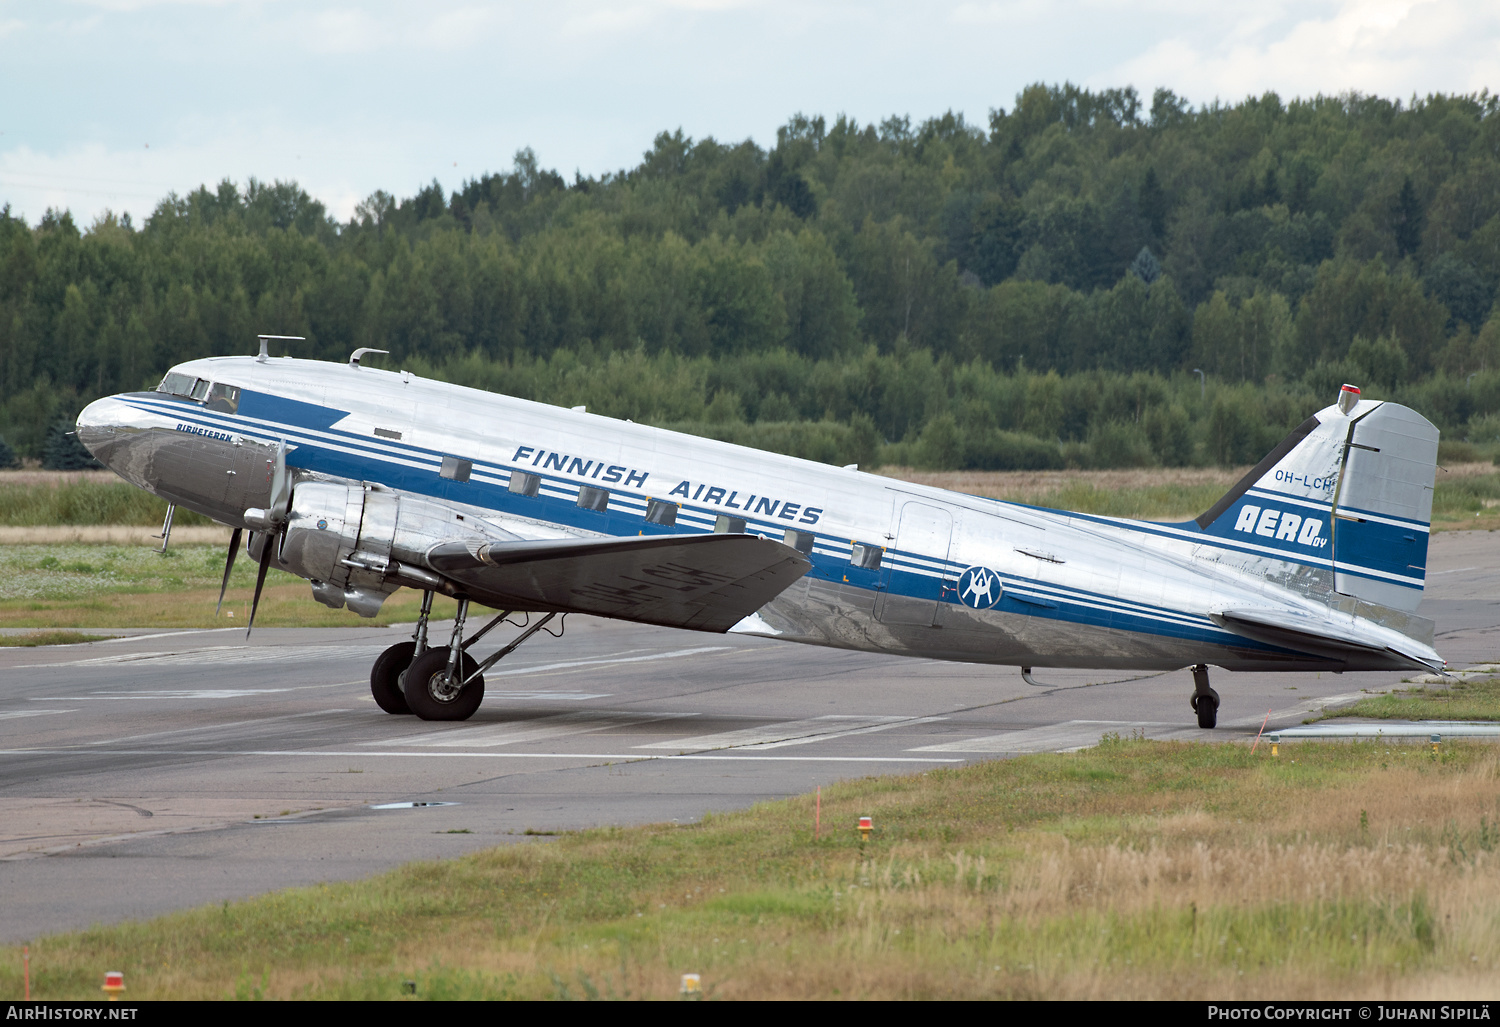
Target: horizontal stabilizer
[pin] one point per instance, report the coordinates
(1327, 636)
(705, 582)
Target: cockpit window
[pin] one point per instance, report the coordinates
(177, 384)
(224, 398)
(220, 397)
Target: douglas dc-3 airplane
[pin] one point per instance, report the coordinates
(364, 480)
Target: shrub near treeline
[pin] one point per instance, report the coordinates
(1033, 293)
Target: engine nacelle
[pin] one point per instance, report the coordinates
(359, 543)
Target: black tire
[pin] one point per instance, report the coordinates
(1207, 708)
(385, 677)
(428, 693)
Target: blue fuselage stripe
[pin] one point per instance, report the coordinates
(321, 448)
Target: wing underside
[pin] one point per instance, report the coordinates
(1327, 637)
(704, 582)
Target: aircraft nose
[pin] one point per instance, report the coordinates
(98, 424)
(103, 426)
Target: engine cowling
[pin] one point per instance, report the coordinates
(358, 543)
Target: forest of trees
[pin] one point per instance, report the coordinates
(1037, 292)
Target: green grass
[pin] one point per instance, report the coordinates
(87, 585)
(1153, 502)
(34, 638)
(1136, 869)
(1475, 699)
(85, 503)
(1467, 502)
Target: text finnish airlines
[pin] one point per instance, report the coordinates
(702, 492)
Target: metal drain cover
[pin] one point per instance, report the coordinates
(410, 805)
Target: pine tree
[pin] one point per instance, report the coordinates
(1408, 219)
(65, 453)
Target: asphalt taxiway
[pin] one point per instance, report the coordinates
(164, 770)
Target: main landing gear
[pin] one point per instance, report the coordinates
(442, 682)
(1205, 700)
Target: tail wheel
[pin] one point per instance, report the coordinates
(432, 696)
(1207, 708)
(385, 677)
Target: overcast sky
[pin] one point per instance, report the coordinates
(114, 103)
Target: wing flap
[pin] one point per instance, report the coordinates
(1326, 636)
(705, 582)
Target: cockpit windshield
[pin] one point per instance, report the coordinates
(215, 396)
(177, 385)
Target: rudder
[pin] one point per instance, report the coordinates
(1349, 490)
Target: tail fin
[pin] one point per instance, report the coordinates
(1350, 491)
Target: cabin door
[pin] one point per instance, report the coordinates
(914, 568)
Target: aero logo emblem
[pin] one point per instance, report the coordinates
(979, 587)
(1285, 527)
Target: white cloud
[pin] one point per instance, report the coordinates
(348, 96)
(1387, 47)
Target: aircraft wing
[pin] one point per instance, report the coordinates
(1326, 636)
(705, 582)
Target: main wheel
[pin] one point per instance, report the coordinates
(430, 694)
(385, 677)
(1207, 708)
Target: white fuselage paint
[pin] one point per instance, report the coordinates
(1073, 590)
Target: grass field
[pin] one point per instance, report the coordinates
(1133, 870)
(1473, 699)
(36, 638)
(81, 585)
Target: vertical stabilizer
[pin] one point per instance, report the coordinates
(1383, 511)
(1350, 489)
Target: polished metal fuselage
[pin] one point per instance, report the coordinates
(1074, 590)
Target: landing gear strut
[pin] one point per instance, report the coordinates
(1205, 700)
(443, 682)
(386, 683)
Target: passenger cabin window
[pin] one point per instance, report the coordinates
(661, 511)
(802, 541)
(224, 398)
(726, 525)
(866, 556)
(456, 469)
(524, 484)
(591, 498)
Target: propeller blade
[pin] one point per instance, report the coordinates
(260, 578)
(280, 486)
(234, 548)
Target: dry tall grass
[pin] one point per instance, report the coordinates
(1134, 870)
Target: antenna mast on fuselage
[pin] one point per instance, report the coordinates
(265, 340)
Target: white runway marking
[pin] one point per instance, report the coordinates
(294, 654)
(560, 725)
(791, 732)
(634, 757)
(491, 695)
(226, 726)
(1065, 737)
(218, 654)
(31, 713)
(599, 663)
(167, 693)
